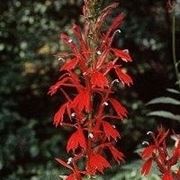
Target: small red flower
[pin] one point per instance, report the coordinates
(123, 54)
(82, 101)
(123, 77)
(97, 163)
(98, 79)
(110, 131)
(119, 108)
(167, 176)
(148, 151)
(76, 140)
(59, 116)
(70, 64)
(118, 156)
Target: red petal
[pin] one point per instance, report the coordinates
(118, 20)
(167, 176)
(69, 42)
(104, 13)
(118, 156)
(74, 176)
(119, 108)
(98, 79)
(54, 88)
(146, 167)
(82, 101)
(124, 78)
(147, 152)
(58, 117)
(110, 131)
(63, 163)
(76, 140)
(122, 54)
(70, 64)
(97, 163)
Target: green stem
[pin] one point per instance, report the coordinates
(174, 46)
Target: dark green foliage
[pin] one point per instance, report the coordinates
(28, 42)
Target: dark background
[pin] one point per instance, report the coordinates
(29, 40)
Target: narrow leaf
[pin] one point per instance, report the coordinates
(173, 91)
(164, 114)
(164, 100)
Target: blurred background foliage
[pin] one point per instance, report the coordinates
(29, 40)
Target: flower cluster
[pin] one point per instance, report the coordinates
(157, 152)
(92, 107)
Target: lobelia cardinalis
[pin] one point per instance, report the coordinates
(87, 69)
(157, 152)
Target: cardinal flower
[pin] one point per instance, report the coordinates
(97, 163)
(110, 131)
(82, 101)
(119, 108)
(118, 156)
(76, 140)
(123, 77)
(59, 116)
(98, 79)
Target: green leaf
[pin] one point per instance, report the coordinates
(164, 100)
(165, 114)
(173, 91)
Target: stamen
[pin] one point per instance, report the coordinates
(70, 41)
(106, 103)
(114, 81)
(99, 52)
(118, 31)
(69, 160)
(126, 51)
(90, 135)
(149, 133)
(73, 114)
(145, 143)
(61, 59)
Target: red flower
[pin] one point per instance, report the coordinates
(167, 176)
(99, 80)
(123, 77)
(96, 163)
(110, 131)
(119, 108)
(118, 156)
(58, 117)
(123, 54)
(146, 167)
(76, 140)
(70, 64)
(147, 152)
(82, 101)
